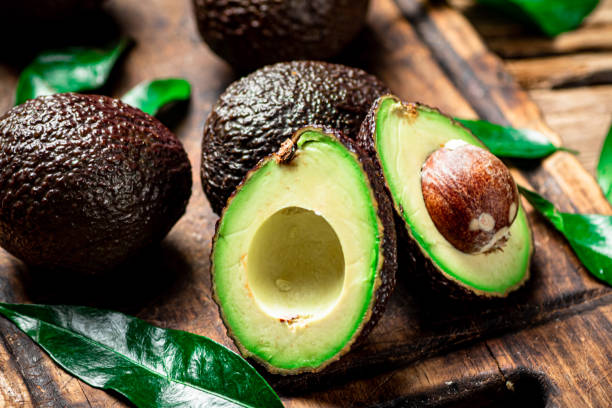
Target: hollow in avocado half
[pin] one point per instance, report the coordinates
(457, 204)
(303, 256)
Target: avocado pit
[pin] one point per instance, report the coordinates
(295, 266)
(470, 195)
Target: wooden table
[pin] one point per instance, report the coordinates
(550, 344)
(569, 77)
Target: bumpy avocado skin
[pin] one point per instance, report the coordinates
(249, 33)
(87, 181)
(387, 271)
(409, 254)
(258, 112)
(46, 10)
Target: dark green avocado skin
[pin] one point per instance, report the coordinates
(45, 9)
(251, 33)
(86, 182)
(258, 112)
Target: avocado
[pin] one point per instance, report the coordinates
(459, 216)
(251, 33)
(86, 182)
(258, 112)
(303, 263)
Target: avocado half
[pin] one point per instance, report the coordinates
(303, 257)
(400, 137)
(251, 33)
(258, 112)
(87, 182)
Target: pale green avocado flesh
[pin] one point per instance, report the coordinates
(297, 256)
(405, 136)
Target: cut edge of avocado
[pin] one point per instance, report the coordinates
(379, 269)
(437, 266)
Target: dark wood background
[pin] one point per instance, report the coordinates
(569, 77)
(550, 344)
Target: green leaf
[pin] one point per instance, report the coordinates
(150, 366)
(507, 141)
(553, 17)
(604, 167)
(73, 69)
(589, 235)
(151, 96)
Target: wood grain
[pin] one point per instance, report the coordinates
(510, 39)
(562, 71)
(425, 349)
(588, 38)
(578, 58)
(581, 116)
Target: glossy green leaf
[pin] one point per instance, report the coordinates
(604, 167)
(151, 96)
(589, 235)
(553, 17)
(507, 141)
(73, 69)
(150, 366)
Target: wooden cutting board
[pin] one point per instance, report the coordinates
(550, 344)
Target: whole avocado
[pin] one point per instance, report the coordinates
(251, 33)
(257, 113)
(86, 182)
(46, 9)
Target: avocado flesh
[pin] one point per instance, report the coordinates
(405, 137)
(297, 256)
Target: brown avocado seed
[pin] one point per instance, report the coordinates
(470, 196)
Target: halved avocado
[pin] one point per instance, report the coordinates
(400, 138)
(303, 257)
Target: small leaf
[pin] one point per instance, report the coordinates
(589, 235)
(553, 17)
(507, 141)
(68, 70)
(151, 96)
(150, 366)
(604, 167)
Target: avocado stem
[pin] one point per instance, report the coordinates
(285, 152)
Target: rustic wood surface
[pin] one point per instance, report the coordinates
(568, 76)
(547, 345)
